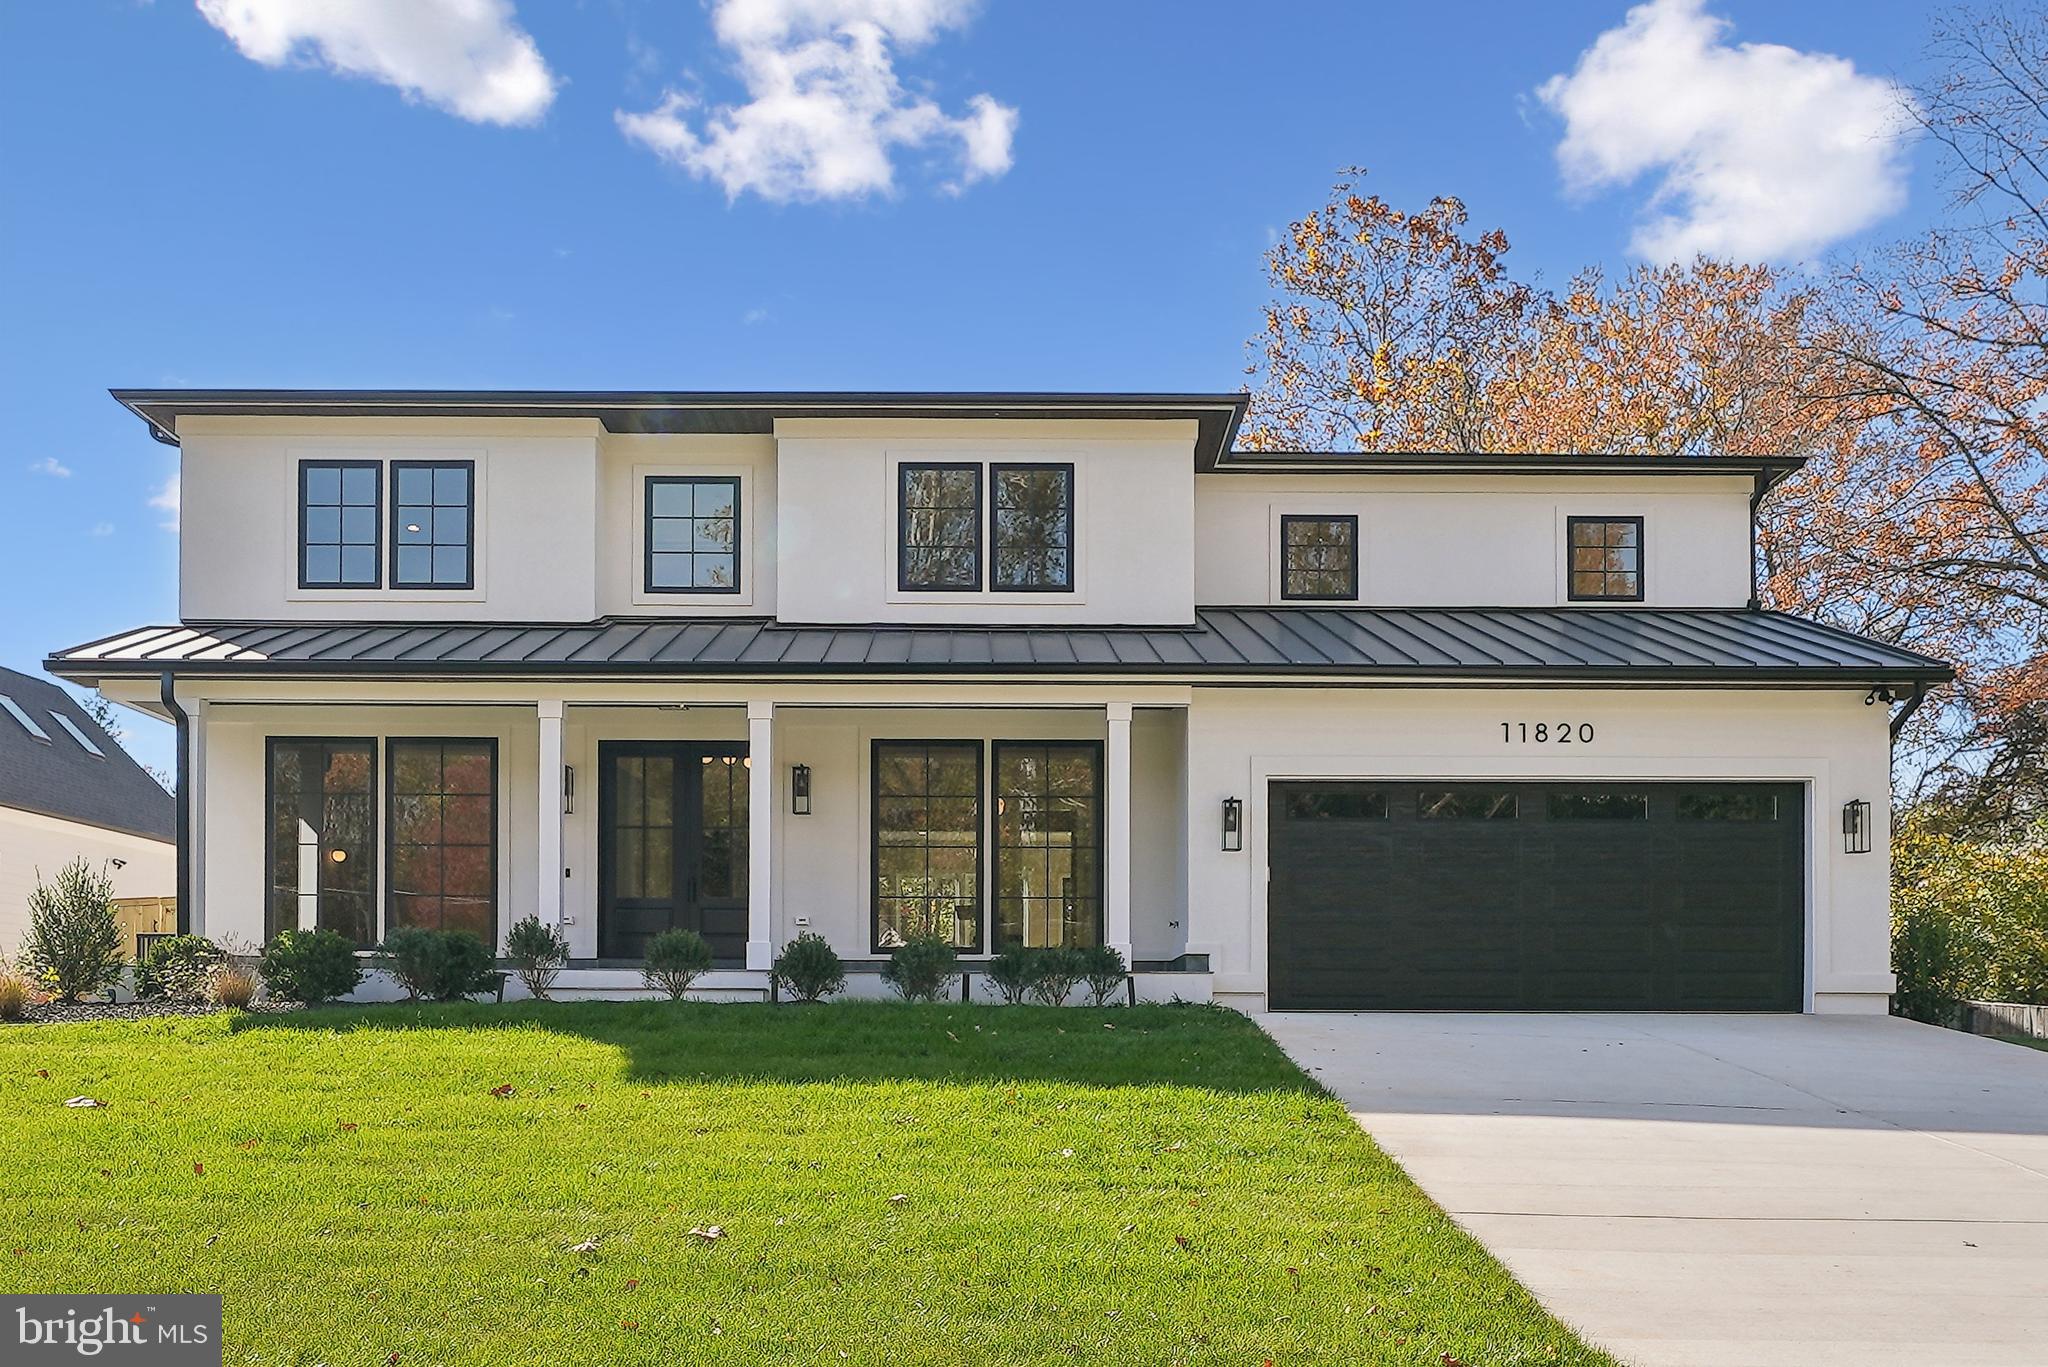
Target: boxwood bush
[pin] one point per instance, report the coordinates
(177, 968)
(809, 968)
(310, 966)
(923, 968)
(440, 965)
(675, 959)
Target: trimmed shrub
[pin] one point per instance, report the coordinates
(1103, 972)
(808, 967)
(310, 966)
(16, 993)
(1012, 972)
(177, 968)
(537, 953)
(73, 943)
(231, 985)
(440, 965)
(675, 959)
(1059, 968)
(923, 968)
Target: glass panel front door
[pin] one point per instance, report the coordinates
(672, 820)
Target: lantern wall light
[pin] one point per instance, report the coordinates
(1856, 827)
(800, 790)
(1233, 824)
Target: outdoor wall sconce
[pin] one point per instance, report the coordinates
(1856, 827)
(799, 790)
(568, 790)
(1233, 825)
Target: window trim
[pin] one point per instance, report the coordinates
(389, 793)
(376, 581)
(647, 483)
(1287, 520)
(904, 469)
(270, 747)
(981, 835)
(469, 532)
(988, 520)
(996, 847)
(1642, 571)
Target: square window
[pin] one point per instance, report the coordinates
(1318, 558)
(692, 534)
(1606, 559)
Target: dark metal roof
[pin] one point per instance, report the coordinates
(1216, 415)
(58, 777)
(1633, 645)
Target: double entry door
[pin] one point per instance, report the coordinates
(672, 835)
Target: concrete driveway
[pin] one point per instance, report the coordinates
(1738, 1190)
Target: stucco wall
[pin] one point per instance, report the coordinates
(624, 464)
(32, 844)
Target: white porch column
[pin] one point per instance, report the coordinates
(1116, 834)
(760, 834)
(548, 843)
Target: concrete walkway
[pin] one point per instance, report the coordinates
(1726, 1191)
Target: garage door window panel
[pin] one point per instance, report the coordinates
(1467, 804)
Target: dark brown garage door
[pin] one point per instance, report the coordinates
(1536, 896)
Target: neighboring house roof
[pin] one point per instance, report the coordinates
(56, 776)
(1634, 645)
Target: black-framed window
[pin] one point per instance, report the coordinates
(1606, 558)
(1599, 806)
(938, 527)
(1466, 804)
(1318, 556)
(321, 796)
(442, 835)
(927, 841)
(340, 531)
(433, 524)
(1048, 843)
(1032, 539)
(693, 534)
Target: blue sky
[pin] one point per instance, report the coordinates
(1077, 196)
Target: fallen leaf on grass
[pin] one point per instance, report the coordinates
(633, 1284)
(502, 1092)
(348, 1127)
(199, 1169)
(1175, 1147)
(79, 1102)
(587, 1246)
(42, 1072)
(629, 1324)
(898, 1199)
(248, 1143)
(708, 1233)
(1449, 1361)
(1182, 1240)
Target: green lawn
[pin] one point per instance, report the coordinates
(895, 1184)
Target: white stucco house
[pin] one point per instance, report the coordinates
(1290, 729)
(69, 791)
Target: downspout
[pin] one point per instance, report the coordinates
(167, 689)
(1904, 714)
(1756, 499)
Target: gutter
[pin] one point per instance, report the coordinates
(167, 689)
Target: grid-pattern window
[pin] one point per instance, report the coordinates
(693, 534)
(644, 830)
(433, 524)
(725, 783)
(927, 842)
(1607, 557)
(444, 836)
(338, 524)
(1318, 557)
(939, 527)
(322, 864)
(1048, 878)
(1033, 542)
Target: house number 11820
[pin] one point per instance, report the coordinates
(1545, 733)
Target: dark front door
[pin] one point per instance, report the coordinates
(1537, 896)
(672, 823)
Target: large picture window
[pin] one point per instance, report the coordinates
(693, 534)
(939, 528)
(1318, 558)
(443, 832)
(1033, 540)
(1606, 558)
(322, 866)
(433, 524)
(1048, 873)
(927, 842)
(338, 524)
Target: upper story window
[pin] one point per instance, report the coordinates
(693, 534)
(338, 524)
(1029, 539)
(939, 528)
(1318, 557)
(1606, 558)
(433, 524)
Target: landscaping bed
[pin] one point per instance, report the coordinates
(661, 1182)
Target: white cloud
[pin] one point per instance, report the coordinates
(166, 499)
(1760, 151)
(826, 112)
(469, 57)
(102, 529)
(51, 466)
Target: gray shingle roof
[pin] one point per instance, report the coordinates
(1622, 645)
(58, 777)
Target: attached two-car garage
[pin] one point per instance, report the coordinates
(1536, 896)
